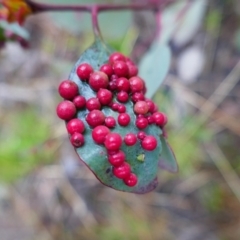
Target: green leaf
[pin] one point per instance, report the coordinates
(24, 136)
(167, 159)
(154, 66)
(143, 163)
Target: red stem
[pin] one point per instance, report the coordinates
(95, 24)
(94, 9)
(40, 7)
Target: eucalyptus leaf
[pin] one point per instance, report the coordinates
(143, 163)
(154, 66)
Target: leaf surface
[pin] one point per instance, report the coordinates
(154, 66)
(143, 163)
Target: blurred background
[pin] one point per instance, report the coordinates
(46, 193)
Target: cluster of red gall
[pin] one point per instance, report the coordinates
(117, 77)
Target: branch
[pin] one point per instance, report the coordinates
(95, 9)
(156, 5)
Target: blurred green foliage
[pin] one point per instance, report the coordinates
(129, 224)
(212, 197)
(25, 144)
(213, 20)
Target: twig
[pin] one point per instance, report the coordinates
(71, 196)
(193, 183)
(40, 7)
(95, 9)
(216, 98)
(219, 116)
(224, 168)
(32, 217)
(213, 39)
(223, 90)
